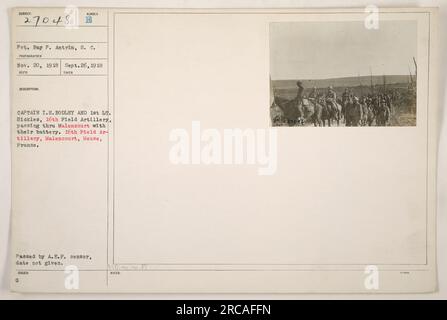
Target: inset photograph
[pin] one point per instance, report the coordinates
(341, 74)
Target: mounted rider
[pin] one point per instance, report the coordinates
(299, 94)
(331, 97)
(313, 95)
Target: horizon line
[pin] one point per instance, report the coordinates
(334, 78)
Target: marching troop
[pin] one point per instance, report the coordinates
(326, 108)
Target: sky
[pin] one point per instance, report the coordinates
(321, 50)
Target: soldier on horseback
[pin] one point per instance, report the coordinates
(299, 95)
(331, 94)
(333, 109)
(314, 94)
(331, 98)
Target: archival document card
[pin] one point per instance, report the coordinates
(228, 151)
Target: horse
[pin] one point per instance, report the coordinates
(290, 113)
(312, 111)
(295, 112)
(334, 111)
(337, 113)
(276, 115)
(315, 112)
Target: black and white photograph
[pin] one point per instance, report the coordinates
(343, 73)
(224, 153)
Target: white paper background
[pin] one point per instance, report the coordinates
(5, 137)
